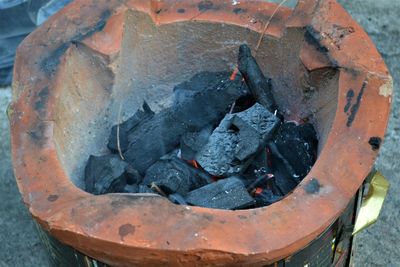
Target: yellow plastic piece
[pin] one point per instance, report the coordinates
(372, 203)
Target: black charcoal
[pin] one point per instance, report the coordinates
(266, 198)
(105, 174)
(124, 128)
(191, 142)
(257, 83)
(298, 146)
(162, 133)
(131, 188)
(175, 176)
(228, 193)
(177, 199)
(238, 137)
(132, 175)
(256, 125)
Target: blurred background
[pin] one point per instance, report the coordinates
(379, 245)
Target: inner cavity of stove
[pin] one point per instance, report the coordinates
(223, 143)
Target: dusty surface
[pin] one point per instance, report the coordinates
(377, 246)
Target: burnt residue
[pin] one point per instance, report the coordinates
(312, 187)
(52, 198)
(356, 106)
(239, 10)
(181, 10)
(158, 11)
(208, 217)
(126, 229)
(37, 133)
(125, 201)
(242, 217)
(313, 37)
(205, 6)
(349, 97)
(50, 63)
(375, 142)
(42, 98)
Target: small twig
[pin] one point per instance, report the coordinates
(118, 142)
(266, 27)
(158, 189)
(232, 107)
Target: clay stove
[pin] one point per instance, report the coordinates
(95, 55)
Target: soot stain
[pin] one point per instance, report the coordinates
(126, 229)
(349, 97)
(356, 106)
(242, 217)
(42, 98)
(50, 63)
(181, 10)
(205, 5)
(37, 134)
(239, 10)
(314, 38)
(312, 187)
(375, 142)
(209, 217)
(52, 198)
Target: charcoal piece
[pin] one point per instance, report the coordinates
(277, 156)
(175, 176)
(162, 133)
(298, 146)
(258, 85)
(105, 174)
(285, 180)
(177, 199)
(217, 157)
(145, 189)
(138, 189)
(256, 125)
(238, 137)
(131, 188)
(193, 142)
(261, 181)
(172, 155)
(228, 193)
(127, 126)
(132, 176)
(266, 198)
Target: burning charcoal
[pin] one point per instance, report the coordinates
(261, 181)
(127, 126)
(175, 176)
(162, 133)
(177, 199)
(132, 175)
(298, 146)
(228, 193)
(259, 86)
(266, 198)
(105, 174)
(238, 137)
(191, 143)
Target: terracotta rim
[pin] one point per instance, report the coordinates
(120, 228)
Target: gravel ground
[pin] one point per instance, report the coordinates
(377, 246)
